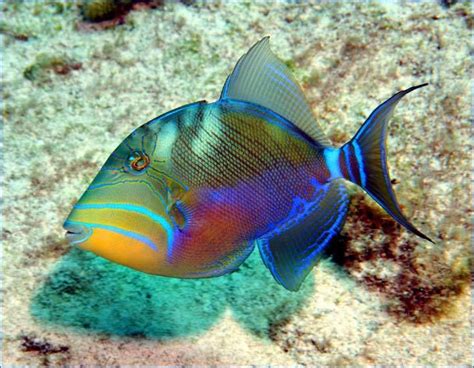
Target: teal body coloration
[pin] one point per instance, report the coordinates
(190, 193)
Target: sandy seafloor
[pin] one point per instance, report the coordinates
(381, 296)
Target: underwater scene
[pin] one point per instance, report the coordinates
(235, 183)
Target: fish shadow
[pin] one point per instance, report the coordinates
(86, 292)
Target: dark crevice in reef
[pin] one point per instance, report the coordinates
(103, 10)
(45, 349)
(448, 3)
(419, 283)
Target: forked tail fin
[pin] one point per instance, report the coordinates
(365, 161)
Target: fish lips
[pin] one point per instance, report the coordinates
(76, 233)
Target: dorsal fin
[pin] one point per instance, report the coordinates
(261, 78)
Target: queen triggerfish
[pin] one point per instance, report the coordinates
(192, 192)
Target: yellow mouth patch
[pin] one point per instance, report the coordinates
(124, 250)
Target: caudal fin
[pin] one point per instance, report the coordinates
(365, 160)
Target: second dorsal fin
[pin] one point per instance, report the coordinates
(261, 78)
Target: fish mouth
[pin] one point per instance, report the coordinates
(76, 233)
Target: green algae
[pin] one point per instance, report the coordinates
(191, 44)
(44, 63)
(16, 32)
(99, 10)
(86, 292)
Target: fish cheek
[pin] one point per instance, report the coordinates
(125, 232)
(124, 250)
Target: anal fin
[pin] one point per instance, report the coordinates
(291, 254)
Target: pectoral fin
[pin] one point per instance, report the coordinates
(291, 254)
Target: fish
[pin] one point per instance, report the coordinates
(191, 193)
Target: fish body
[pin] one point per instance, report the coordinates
(190, 193)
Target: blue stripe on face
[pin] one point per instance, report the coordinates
(129, 234)
(360, 162)
(135, 209)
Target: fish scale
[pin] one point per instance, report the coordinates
(247, 151)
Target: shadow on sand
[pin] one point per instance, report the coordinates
(89, 293)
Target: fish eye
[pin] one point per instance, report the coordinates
(138, 161)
